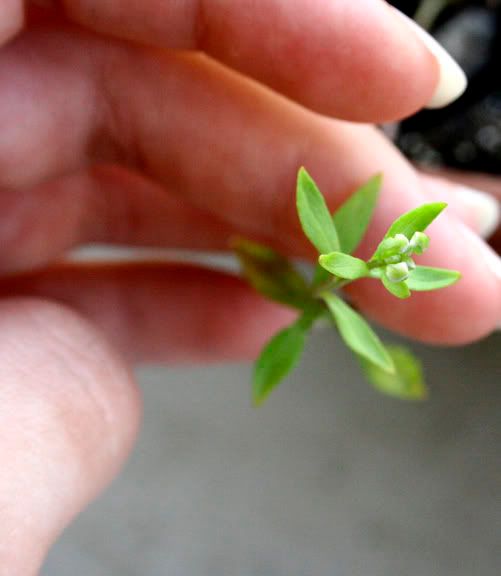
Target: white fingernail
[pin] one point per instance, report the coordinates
(452, 80)
(491, 259)
(485, 209)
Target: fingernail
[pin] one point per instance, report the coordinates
(452, 80)
(491, 259)
(485, 210)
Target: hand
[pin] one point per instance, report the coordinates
(116, 131)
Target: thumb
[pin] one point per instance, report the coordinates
(69, 412)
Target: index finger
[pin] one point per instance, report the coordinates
(353, 60)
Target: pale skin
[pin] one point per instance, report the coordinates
(114, 130)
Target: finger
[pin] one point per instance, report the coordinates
(106, 204)
(166, 313)
(68, 415)
(164, 111)
(157, 115)
(355, 60)
(111, 205)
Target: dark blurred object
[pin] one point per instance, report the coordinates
(467, 134)
(407, 6)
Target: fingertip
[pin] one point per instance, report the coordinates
(452, 81)
(389, 73)
(410, 72)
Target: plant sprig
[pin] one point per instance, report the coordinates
(390, 369)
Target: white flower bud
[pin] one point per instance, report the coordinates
(402, 243)
(397, 272)
(393, 246)
(410, 263)
(419, 242)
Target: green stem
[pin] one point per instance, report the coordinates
(310, 315)
(331, 284)
(429, 10)
(375, 264)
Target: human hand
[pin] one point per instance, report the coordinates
(124, 137)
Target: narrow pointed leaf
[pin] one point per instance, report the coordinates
(271, 274)
(416, 220)
(357, 334)
(314, 215)
(407, 382)
(277, 359)
(344, 266)
(398, 289)
(353, 216)
(424, 278)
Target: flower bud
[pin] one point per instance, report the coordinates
(419, 242)
(397, 272)
(393, 246)
(402, 242)
(410, 263)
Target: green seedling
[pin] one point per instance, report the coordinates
(392, 370)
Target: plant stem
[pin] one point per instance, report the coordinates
(429, 10)
(332, 284)
(310, 315)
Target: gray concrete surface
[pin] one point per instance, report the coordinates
(328, 479)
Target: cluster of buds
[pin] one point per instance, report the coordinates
(395, 255)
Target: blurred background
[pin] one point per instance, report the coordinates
(329, 478)
(467, 134)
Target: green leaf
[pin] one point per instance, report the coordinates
(271, 274)
(424, 278)
(353, 217)
(277, 359)
(398, 289)
(344, 266)
(407, 382)
(357, 334)
(314, 215)
(416, 220)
